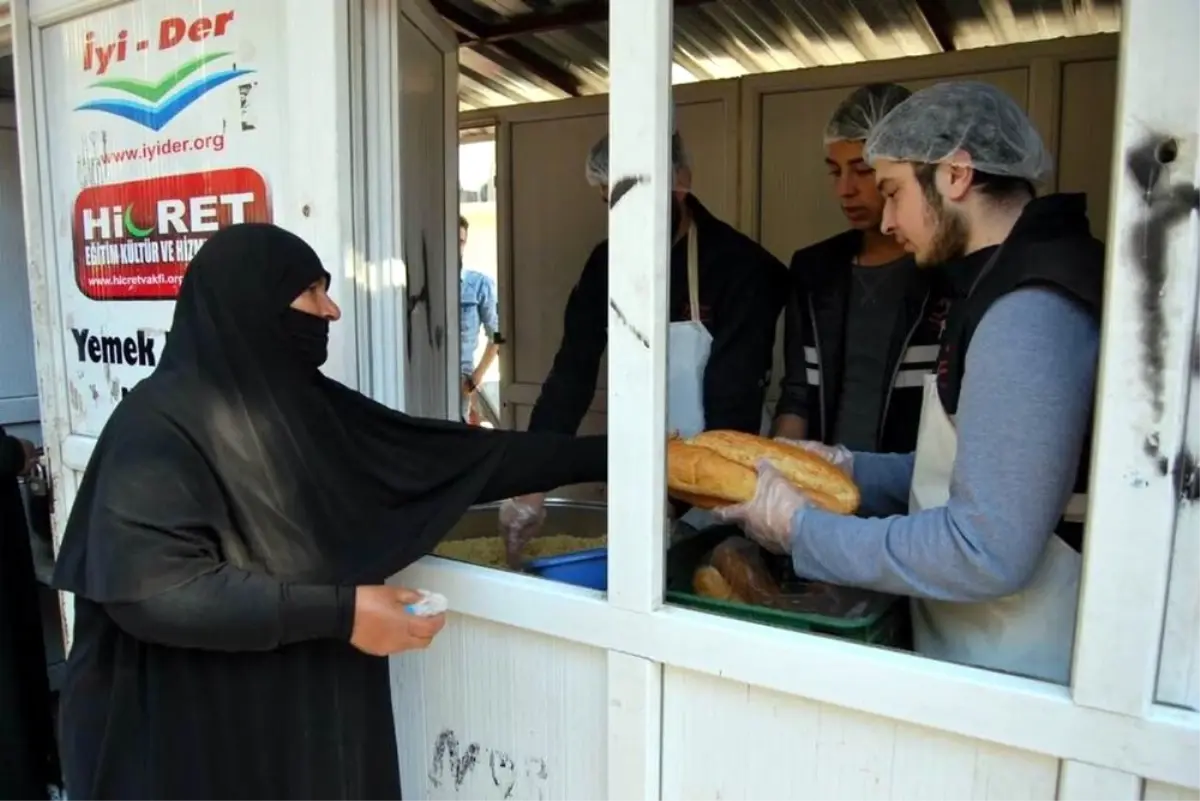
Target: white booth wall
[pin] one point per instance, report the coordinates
(510, 712)
(534, 689)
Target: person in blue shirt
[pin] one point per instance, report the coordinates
(477, 308)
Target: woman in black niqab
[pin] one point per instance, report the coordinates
(234, 501)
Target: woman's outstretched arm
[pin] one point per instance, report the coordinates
(539, 461)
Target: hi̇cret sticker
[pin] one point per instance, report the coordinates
(133, 240)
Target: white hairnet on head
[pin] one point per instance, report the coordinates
(855, 116)
(596, 168)
(971, 116)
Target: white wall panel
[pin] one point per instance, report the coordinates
(727, 740)
(491, 711)
(1157, 791)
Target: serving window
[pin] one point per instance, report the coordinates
(755, 146)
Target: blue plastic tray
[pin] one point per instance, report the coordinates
(582, 568)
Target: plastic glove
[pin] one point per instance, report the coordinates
(767, 518)
(837, 455)
(520, 519)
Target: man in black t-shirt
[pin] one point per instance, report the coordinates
(861, 325)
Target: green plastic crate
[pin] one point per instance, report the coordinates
(884, 621)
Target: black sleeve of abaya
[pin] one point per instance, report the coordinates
(236, 610)
(539, 461)
(12, 456)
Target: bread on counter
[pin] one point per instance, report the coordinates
(740, 562)
(718, 468)
(739, 571)
(708, 582)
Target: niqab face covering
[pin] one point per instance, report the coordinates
(309, 336)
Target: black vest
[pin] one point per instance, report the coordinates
(1049, 246)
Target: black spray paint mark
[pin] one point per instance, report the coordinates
(536, 767)
(421, 297)
(504, 772)
(503, 767)
(1151, 448)
(618, 191)
(425, 289)
(1187, 477)
(440, 746)
(625, 322)
(622, 187)
(445, 749)
(1165, 207)
(465, 764)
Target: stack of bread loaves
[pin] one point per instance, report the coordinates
(717, 468)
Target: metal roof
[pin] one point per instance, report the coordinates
(523, 51)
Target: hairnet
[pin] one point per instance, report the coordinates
(596, 168)
(855, 116)
(972, 116)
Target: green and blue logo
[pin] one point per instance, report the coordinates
(155, 103)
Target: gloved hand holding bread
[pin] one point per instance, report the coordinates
(837, 455)
(756, 482)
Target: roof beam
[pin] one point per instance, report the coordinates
(589, 12)
(471, 29)
(940, 21)
(572, 16)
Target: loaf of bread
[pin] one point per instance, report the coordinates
(740, 563)
(695, 473)
(720, 467)
(740, 571)
(708, 582)
(699, 501)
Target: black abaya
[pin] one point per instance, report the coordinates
(26, 726)
(233, 501)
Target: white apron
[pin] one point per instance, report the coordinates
(1030, 633)
(688, 346)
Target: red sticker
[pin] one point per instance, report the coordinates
(133, 241)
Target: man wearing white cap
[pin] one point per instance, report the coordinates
(726, 295)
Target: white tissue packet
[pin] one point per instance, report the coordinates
(431, 604)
